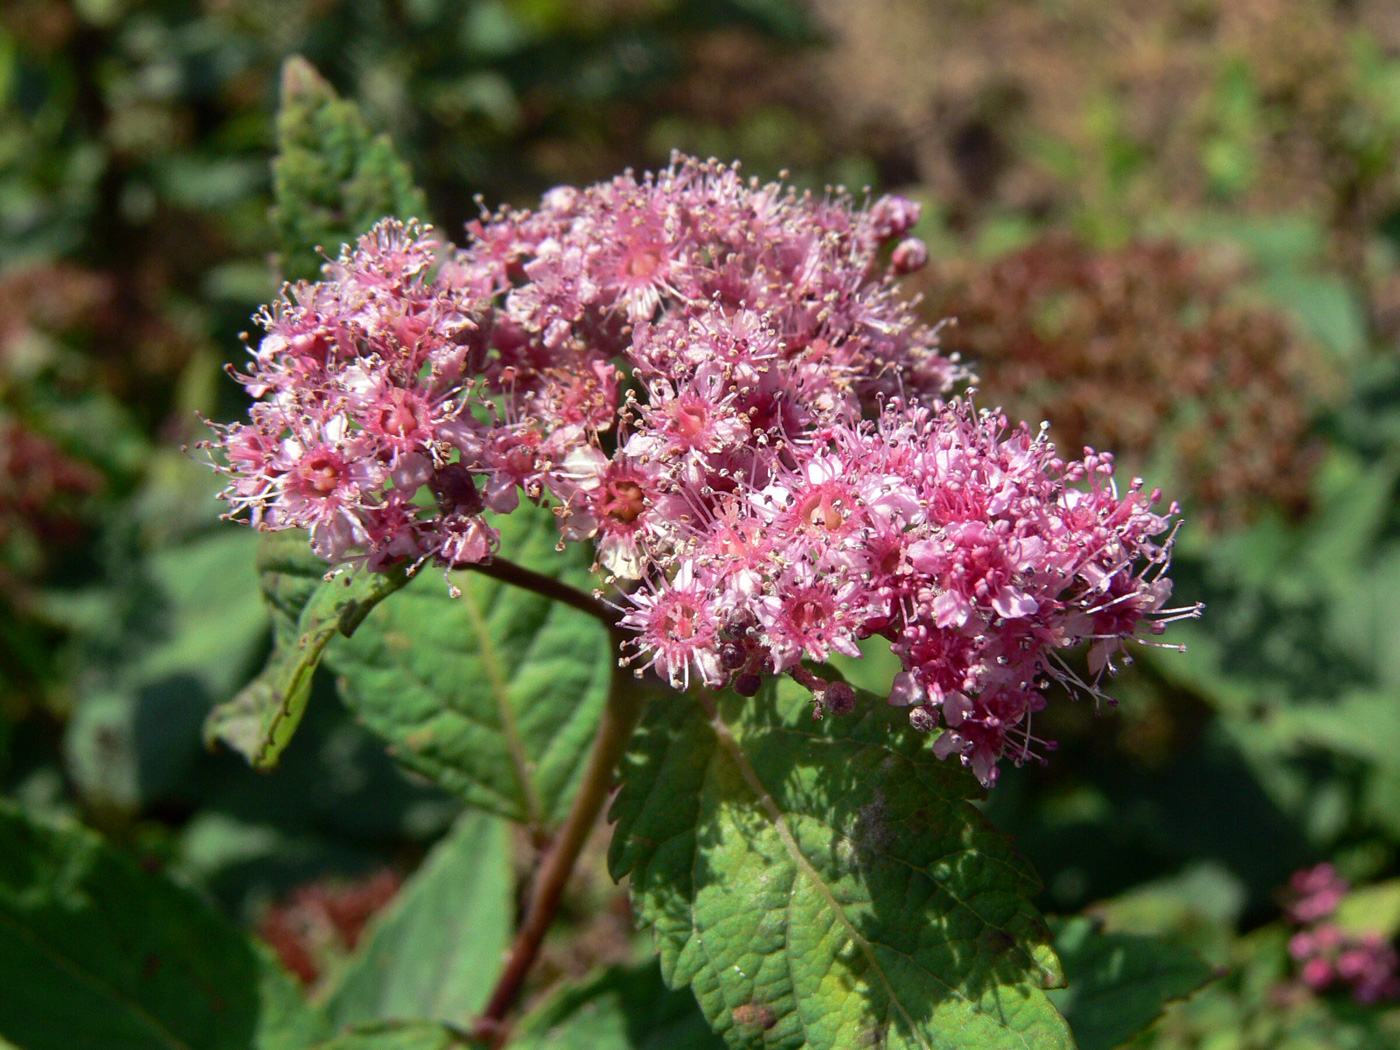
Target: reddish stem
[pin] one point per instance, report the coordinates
(626, 698)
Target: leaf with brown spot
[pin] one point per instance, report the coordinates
(755, 1015)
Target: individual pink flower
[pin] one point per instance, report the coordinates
(677, 630)
(810, 615)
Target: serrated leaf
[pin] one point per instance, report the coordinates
(829, 884)
(621, 1008)
(289, 574)
(1119, 982)
(95, 952)
(434, 953)
(411, 1035)
(332, 179)
(494, 695)
(259, 722)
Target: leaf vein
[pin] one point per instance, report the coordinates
(501, 691)
(64, 962)
(736, 755)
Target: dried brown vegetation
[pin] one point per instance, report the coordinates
(322, 921)
(1051, 108)
(1138, 350)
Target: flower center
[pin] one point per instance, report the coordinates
(690, 420)
(680, 622)
(808, 614)
(641, 263)
(400, 417)
(321, 472)
(624, 501)
(889, 564)
(823, 510)
(519, 455)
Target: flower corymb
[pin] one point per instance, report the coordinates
(716, 383)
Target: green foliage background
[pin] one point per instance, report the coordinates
(142, 219)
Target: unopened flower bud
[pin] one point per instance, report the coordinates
(455, 490)
(893, 215)
(909, 255)
(732, 657)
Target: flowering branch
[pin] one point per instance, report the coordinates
(716, 383)
(548, 587)
(626, 699)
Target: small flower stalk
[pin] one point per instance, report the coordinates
(717, 384)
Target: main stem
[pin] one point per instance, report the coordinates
(626, 698)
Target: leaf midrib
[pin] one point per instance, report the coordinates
(735, 753)
(490, 661)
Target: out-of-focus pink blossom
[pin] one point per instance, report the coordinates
(1314, 893)
(1328, 956)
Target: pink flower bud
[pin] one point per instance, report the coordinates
(909, 255)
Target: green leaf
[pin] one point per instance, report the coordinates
(1119, 982)
(410, 1035)
(259, 722)
(496, 694)
(1326, 305)
(620, 1008)
(196, 629)
(332, 178)
(1371, 909)
(829, 884)
(434, 953)
(1195, 905)
(289, 574)
(95, 952)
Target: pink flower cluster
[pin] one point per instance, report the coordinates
(715, 382)
(1329, 956)
(365, 386)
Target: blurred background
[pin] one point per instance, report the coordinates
(1169, 227)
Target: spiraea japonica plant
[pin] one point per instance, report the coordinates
(635, 465)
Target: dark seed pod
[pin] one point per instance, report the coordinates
(738, 631)
(732, 657)
(838, 699)
(455, 490)
(748, 684)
